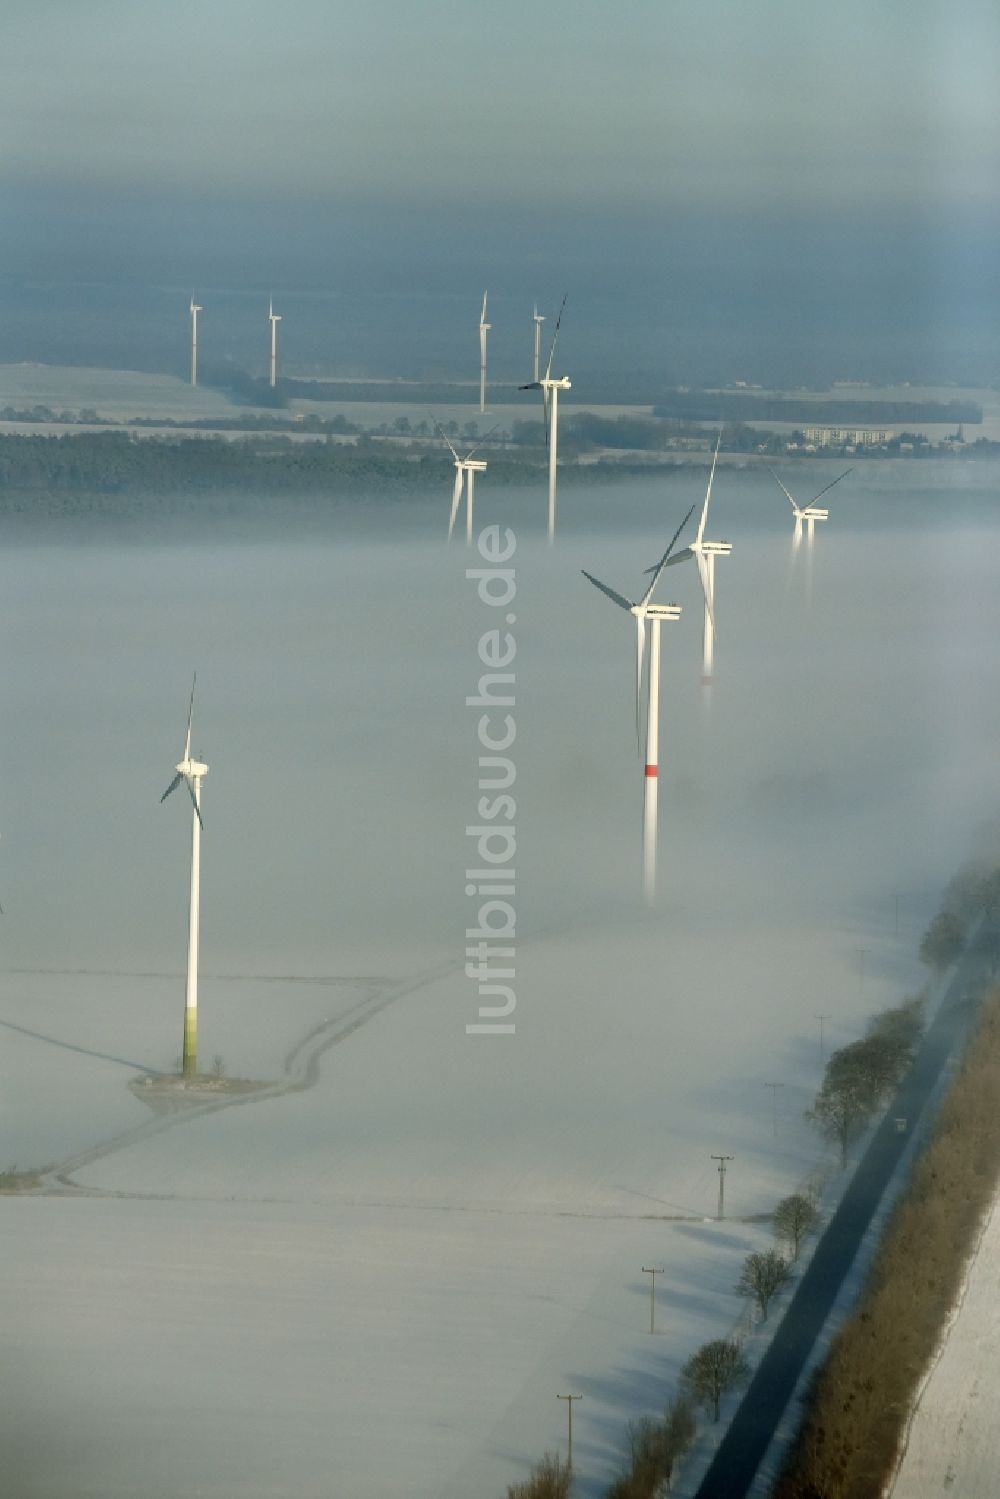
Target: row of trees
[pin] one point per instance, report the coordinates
(849, 1441)
(655, 1444)
(857, 1081)
(859, 1078)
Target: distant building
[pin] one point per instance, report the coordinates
(842, 437)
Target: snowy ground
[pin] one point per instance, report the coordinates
(116, 395)
(376, 1282)
(952, 1442)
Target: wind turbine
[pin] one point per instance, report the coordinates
(191, 772)
(655, 614)
(484, 328)
(195, 309)
(466, 470)
(550, 408)
(274, 318)
(810, 513)
(704, 553)
(539, 320)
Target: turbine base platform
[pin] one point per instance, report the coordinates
(168, 1092)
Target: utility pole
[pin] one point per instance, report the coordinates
(774, 1105)
(652, 1295)
(722, 1159)
(569, 1411)
(822, 1038)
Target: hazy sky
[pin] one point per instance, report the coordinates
(730, 147)
(657, 101)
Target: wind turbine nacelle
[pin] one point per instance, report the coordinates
(717, 548)
(192, 769)
(663, 611)
(474, 465)
(814, 512)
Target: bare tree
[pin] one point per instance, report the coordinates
(550, 1479)
(857, 1079)
(794, 1217)
(654, 1447)
(714, 1369)
(763, 1277)
(942, 941)
(901, 1027)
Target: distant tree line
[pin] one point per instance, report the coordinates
(751, 406)
(114, 471)
(48, 473)
(585, 432)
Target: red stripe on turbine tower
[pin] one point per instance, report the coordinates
(652, 770)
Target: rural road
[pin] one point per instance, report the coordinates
(742, 1448)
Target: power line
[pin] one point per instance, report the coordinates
(722, 1159)
(569, 1412)
(652, 1295)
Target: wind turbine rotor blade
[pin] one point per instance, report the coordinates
(455, 501)
(788, 497)
(657, 570)
(546, 399)
(703, 574)
(173, 786)
(640, 649)
(531, 385)
(482, 315)
(616, 598)
(447, 439)
(708, 491)
(481, 441)
(187, 740)
(829, 486)
(672, 561)
(555, 335)
(194, 799)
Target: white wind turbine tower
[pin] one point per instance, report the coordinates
(484, 328)
(655, 614)
(539, 320)
(466, 470)
(191, 772)
(195, 309)
(274, 318)
(810, 513)
(550, 408)
(704, 553)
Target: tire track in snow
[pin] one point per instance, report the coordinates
(301, 1071)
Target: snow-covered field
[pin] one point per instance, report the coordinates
(376, 1283)
(116, 395)
(951, 1448)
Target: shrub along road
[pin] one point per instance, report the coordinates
(742, 1448)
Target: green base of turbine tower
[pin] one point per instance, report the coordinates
(190, 1058)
